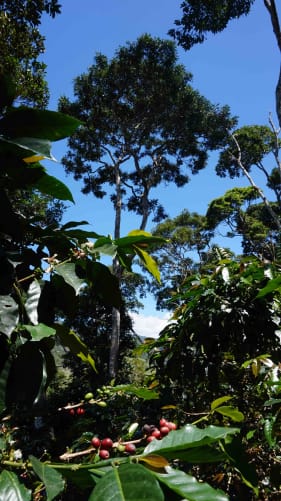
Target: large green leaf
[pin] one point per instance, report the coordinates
(52, 186)
(32, 300)
(39, 331)
(44, 124)
(25, 147)
(9, 315)
(11, 489)
(74, 343)
(189, 436)
(189, 488)
(50, 477)
(103, 283)
(198, 455)
(68, 272)
(130, 482)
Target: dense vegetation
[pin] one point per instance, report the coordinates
(195, 414)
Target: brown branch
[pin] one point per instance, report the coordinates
(271, 7)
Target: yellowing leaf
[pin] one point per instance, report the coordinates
(33, 159)
(154, 461)
(149, 262)
(166, 407)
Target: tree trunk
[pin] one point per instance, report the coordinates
(115, 332)
(272, 10)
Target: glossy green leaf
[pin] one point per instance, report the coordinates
(231, 412)
(32, 300)
(9, 315)
(198, 455)
(28, 146)
(68, 273)
(11, 489)
(39, 331)
(190, 436)
(42, 124)
(52, 186)
(50, 477)
(148, 262)
(74, 343)
(216, 403)
(129, 482)
(189, 488)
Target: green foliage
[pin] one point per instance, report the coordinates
(203, 17)
(140, 107)
(188, 238)
(21, 46)
(221, 321)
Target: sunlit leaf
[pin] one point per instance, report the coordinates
(9, 315)
(219, 401)
(11, 489)
(189, 436)
(148, 262)
(155, 461)
(32, 300)
(39, 331)
(231, 412)
(68, 272)
(189, 488)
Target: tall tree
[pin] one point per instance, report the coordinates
(143, 125)
(253, 212)
(200, 17)
(21, 44)
(188, 242)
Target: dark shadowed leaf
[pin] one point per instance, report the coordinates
(74, 343)
(51, 478)
(45, 124)
(130, 482)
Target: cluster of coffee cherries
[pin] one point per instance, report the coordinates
(105, 447)
(153, 432)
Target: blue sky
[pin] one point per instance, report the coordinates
(238, 67)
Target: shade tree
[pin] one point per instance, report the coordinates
(143, 125)
(252, 212)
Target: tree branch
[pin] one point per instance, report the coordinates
(252, 182)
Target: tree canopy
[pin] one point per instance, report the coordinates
(22, 45)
